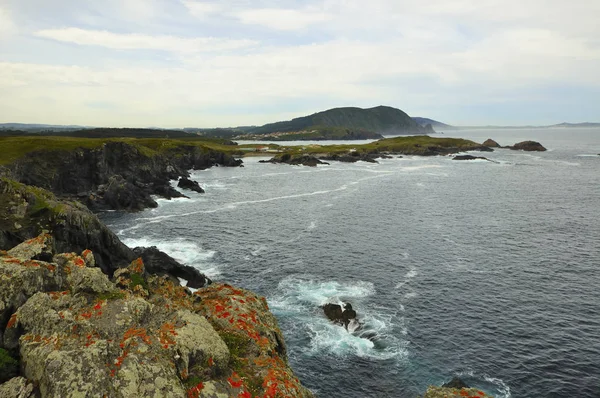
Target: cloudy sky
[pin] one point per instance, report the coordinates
(184, 63)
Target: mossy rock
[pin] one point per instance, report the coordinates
(9, 367)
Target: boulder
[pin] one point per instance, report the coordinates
(186, 183)
(490, 143)
(528, 146)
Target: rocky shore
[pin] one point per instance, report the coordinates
(82, 314)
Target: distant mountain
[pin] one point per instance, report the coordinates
(587, 124)
(381, 119)
(424, 121)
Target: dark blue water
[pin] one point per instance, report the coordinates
(489, 271)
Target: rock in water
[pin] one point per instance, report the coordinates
(305, 160)
(341, 317)
(528, 146)
(468, 157)
(192, 185)
(491, 143)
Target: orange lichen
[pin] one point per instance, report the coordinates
(12, 321)
(194, 392)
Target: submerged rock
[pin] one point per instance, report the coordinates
(528, 146)
(192, 185)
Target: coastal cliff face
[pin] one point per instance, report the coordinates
(116, 175)
(77, 333)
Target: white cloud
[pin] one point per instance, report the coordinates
(202, 9)
(138, 41)
(7, 27)
(282, 19)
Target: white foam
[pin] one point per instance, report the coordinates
(585, 155)
(312, 226)
(185, 251)
(299, 299)
(503, 388)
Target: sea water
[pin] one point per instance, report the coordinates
(487, 271)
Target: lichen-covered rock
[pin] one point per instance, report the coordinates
(491, 143)
(17, 387)
(79, 334)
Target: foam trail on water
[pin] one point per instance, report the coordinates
(184, 251)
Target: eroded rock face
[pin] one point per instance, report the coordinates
(117, 176)
(78, 333)
(528, 146)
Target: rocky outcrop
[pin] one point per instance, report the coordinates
(528, 146)
(26, 212)
(159, 263)
(117, 175)
(352, 157)
(186, 183)
(304, 160)
(77, 333)
(491, 143)
(340, 316)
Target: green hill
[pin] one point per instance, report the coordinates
(381, 119)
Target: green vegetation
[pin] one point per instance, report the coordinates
(109, 296)
(237, 344)
(9, 367)
(408, 145)
(14, 148)
(138, 280)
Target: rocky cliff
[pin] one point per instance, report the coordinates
(77, 333)
(115, 175)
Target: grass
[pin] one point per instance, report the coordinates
(138, 280)
(111, 296)
(14, 148)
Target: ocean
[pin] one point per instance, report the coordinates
(489, 271)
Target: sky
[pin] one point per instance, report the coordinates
(186, 63)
